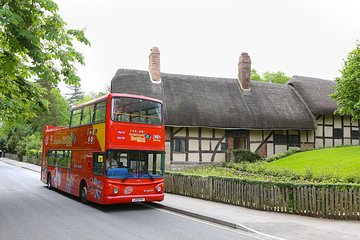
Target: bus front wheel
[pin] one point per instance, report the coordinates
(83, 192)
(48, 182)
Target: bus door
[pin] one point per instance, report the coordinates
(96, 184)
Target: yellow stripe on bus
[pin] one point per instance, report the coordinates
(100, 134)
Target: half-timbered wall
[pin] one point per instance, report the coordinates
(335, 130)
(194, 145)
(267, 143)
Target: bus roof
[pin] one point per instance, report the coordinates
(110, 95)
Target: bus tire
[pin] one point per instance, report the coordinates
(83, 192)
(48, 182)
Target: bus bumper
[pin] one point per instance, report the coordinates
(133, 199)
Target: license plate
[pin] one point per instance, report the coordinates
(138, 200)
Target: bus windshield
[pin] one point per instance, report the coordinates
(134, 164)
(135, 110)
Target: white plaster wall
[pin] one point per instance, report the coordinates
(167, 151)
(205, 145)
(337, 122)
(311, 136)
(219, 157)
(328, 142)
(347, 132)
(193, 145)
(270, 149)
(328, 131)
(254, 146)
(213, 144)
(182, 133)
(266, 134)
(255, 136)
(319, 131)
(328, 120)
(303, 136)
(280, 148)
(347, 142)
(193, 132)
(206, 133)
(179, 157)
(355, 142)
(219, 133)
(193, 157)
(346, 121)
(354, 123)
(338, 142)
(206, 157)
(318, 143)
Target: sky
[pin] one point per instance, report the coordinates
(206, 37)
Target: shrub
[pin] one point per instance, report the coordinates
(285, 154)
(33, 153)
(242, 155)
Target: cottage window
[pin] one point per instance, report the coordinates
(338, 133)
(179, 145)
(223, 146)
(355, 134)
(280, 139)
(291, 140)
(294, 141)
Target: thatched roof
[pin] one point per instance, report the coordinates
(218, 102)
(315, 93)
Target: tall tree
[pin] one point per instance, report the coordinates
(34, 44)
(75, 94)
(347, 89)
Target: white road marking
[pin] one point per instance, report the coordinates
(257, 232)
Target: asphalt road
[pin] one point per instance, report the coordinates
(28, 210)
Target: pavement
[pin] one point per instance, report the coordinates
(268, 225)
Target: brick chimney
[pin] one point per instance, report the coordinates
(244, 74)
(154, 64)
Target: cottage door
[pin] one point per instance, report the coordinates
(240, 142)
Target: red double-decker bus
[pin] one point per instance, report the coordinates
(112, 152)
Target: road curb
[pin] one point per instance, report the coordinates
(14, 164)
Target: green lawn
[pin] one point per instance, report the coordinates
(343, 161)
(329, 165)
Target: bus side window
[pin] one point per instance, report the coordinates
(87, 116)
(99, 112)
(75, 118)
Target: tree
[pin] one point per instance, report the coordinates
(276, 77)
(34, 44)
(57, 113)
(90, 96)
(273, 77)
(347, 89)
(255, 76)
(75, 95)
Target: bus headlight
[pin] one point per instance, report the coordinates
(158, 188)
(116, 190)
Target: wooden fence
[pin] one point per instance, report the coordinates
(323, 201)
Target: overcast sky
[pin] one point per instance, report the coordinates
(206, 37)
